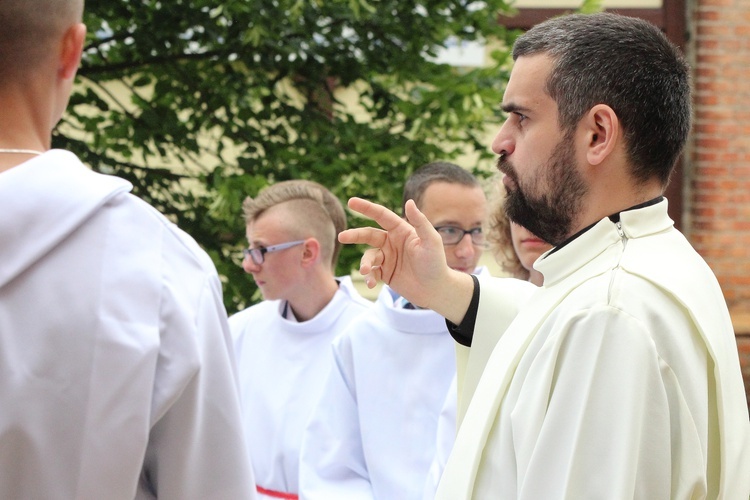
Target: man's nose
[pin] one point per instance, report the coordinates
(465, 247)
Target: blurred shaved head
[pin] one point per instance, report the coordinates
(30, 30)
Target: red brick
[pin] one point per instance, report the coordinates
(719, 161)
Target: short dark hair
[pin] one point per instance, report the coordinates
(438, 171)
(627, 64)
(30, 28)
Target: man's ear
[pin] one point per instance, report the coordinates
(602, 132)
(71, 48)
(311, 252)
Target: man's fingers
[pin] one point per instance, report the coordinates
(371, 236)
(369, 266)
(372, 258)
(385, 218)
(419, 221)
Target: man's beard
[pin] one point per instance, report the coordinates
(549, 215)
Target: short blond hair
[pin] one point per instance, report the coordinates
(317, 212)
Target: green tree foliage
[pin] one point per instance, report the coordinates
(201, 103)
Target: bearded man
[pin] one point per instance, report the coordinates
(619, 378)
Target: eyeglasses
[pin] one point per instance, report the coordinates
(453, 235)
(258, 253)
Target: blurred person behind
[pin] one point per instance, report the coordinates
(372, 436)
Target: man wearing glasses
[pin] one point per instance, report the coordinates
(282, 344)
(373, 434)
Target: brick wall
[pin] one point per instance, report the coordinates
(718, 175)
(743, 343)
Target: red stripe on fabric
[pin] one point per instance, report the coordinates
(277, 494)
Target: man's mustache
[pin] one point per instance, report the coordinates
(505, 167)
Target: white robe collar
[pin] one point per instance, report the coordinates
(559, 263)
(70, 191)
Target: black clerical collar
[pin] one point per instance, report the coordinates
(615, 217)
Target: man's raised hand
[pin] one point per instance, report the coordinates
(406, 254)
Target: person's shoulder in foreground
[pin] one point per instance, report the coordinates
(114, 333)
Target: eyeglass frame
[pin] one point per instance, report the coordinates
(471, 232)
(258, 254)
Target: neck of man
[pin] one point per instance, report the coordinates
(535, 277)
(312, 299)
(24, 123)
(614, 196)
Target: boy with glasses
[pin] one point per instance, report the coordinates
(373, 434)
(282, 343)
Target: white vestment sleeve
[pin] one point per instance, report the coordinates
(602, 381)
(500, 300)
(446, 436)
(332, 463)
(196, 450)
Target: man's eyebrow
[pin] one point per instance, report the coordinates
(455, 223)
(512, 107)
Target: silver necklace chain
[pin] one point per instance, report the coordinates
(20, 151)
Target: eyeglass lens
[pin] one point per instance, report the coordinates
(452, 235)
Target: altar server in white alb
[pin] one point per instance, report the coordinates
(372, 436)
(283, 343)
(619, 378)
(116, 371)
